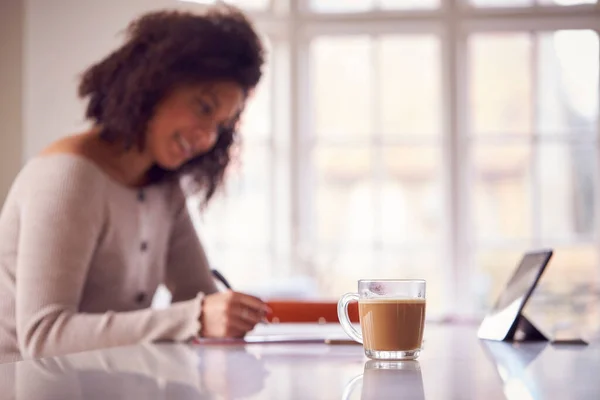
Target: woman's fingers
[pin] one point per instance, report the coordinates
(253, 303)
(231, 314)
(247, 315)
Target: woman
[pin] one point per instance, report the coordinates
(97, 221)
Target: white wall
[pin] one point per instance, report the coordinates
(63, 37)
(11, 64)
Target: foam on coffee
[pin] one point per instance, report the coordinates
(392, 324)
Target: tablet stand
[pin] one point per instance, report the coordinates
(519, 329)
(525, 331)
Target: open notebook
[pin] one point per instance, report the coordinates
(287, 333)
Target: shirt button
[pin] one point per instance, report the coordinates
(141, 195)
(140, 298)
(144, 246)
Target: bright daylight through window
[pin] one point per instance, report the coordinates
(418, 139)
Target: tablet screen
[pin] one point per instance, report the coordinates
(523, 280)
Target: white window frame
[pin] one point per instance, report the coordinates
(291, 25)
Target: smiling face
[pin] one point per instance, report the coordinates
(186, 123)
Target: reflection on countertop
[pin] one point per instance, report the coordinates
(142, 372)
(454, 364)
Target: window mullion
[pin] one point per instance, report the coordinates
(535, 143)
(455, 161)
(376, 150)
(300, 182)
(597, 165)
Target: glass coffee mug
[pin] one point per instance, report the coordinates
(392, 317)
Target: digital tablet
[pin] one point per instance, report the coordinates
(503, 319)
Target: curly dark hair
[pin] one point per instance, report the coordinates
(163, 50)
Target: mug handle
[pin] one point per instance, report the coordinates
(350, 386)
(342, 311)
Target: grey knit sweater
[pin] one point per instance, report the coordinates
(82, 255)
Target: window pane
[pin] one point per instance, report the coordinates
(410, 196)
(256, 121)
(246, 269)
(567, 182)
(500, 192)
(500, 90)
(568, 82)
(341, 85)
(333, 6)
(239, 218)
(347, 263)
(410, 87)
(568, 295)
(344, 195)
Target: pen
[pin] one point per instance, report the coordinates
(221, 279)
(224, 281)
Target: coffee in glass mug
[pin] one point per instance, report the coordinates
(392, 317)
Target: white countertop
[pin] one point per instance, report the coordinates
(453, 365)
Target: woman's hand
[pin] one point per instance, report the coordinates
(230, 314)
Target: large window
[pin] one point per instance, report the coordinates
(417, 138)
(374, 148)
(533, 130)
